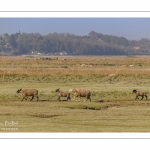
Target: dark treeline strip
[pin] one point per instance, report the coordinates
(93, 44)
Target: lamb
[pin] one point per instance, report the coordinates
(140, 93)
(62, 94)
(28, 92)
(81, 93)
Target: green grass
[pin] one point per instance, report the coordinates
(118, 88)
(113, 108)
(54, 116)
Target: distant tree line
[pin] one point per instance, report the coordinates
(92, 44)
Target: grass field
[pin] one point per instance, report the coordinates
(110, 80)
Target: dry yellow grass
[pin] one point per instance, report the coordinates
(75, 65)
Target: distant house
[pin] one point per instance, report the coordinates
(37, 53)
(49, 54)
(136, 47)
(41, 54)
(61, 53)
(57, 53)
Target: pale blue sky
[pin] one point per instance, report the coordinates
(130, 28)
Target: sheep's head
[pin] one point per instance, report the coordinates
(76, 93)
(57, 90)
(18, 91)
(71, 90)
(134, 91)
(74, 90)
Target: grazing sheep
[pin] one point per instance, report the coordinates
(63, 94)
(28, 92)
(140, 93)
(81, 93)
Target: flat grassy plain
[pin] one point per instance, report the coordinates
(110, 80)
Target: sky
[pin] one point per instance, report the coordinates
(130, 28)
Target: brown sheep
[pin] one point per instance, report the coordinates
(140, 93)
(81, 93)
(63, 94)
(28, 92)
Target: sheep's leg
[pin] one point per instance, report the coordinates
(74, 98)
(146, 97)
(59, 98)
(80, 98)
(37, 98)
(86, 99)
(142, 97)
(136, 97)
(26, 98)
(68, 98)
(23, 98)
(90, 99)
(32, 98)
